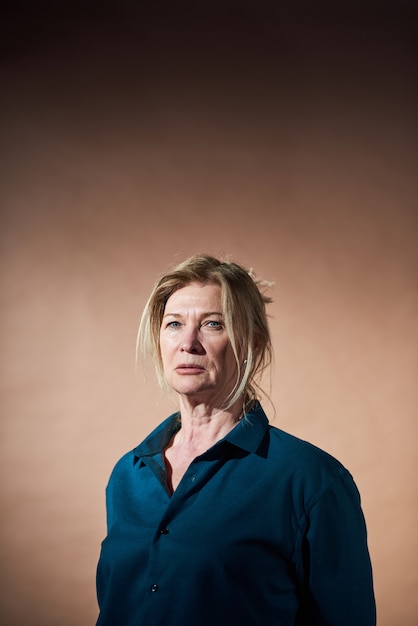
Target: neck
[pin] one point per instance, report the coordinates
(202, 425)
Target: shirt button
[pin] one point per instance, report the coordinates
(164, 531)
(154, 587)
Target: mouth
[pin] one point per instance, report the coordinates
(189, 368)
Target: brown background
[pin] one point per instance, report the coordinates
(285, 138)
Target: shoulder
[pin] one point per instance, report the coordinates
(287, 454)
(299, 450)
(152, 445)
(309, 468)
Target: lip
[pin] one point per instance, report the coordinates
(189, 368)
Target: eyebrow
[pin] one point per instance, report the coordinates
(203, 315)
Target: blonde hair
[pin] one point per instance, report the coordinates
(243, 309)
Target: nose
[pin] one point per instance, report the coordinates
(191, 342)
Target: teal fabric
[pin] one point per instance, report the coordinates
(263, 530)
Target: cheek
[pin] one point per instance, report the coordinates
(228, 358)
(164, 350)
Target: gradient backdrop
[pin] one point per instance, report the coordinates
(282, 135)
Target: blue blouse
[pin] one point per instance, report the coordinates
(264, 529)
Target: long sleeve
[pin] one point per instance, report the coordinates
(338, 574)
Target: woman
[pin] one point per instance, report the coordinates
(217, 517)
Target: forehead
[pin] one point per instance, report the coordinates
(202, 296)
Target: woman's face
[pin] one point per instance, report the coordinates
(196, 352)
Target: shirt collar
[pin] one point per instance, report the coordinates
(250, 430)
(247, 434)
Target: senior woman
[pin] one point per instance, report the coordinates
(217, 517)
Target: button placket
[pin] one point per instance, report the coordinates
(162, 531)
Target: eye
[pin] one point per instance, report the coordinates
(213, 324)
(173, 324)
